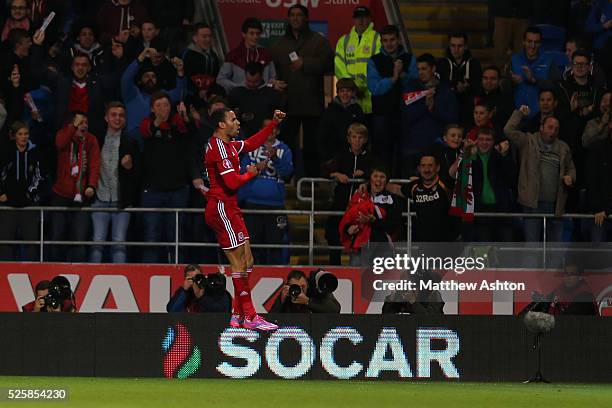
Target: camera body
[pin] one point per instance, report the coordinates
(59, 292)
(213, 284)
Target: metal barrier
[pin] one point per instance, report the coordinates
(311, 213)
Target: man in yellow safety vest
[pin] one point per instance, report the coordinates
(353, 52)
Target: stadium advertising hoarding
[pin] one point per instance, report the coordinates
(397, 347)
(147, 288)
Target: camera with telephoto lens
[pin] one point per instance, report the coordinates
(294, 291)
(59, 291)
(321, 283)
(214, 283)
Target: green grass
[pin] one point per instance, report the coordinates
(152, 393)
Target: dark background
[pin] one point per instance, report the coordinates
(492, 348)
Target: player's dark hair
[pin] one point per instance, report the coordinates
(251, 23)
(427, 58)
(219, 116)
(390, 29)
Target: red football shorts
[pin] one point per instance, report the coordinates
(227, 223)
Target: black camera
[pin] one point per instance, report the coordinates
(59, 292)
(52, 301)
(322, 282)
(294, 291)
(214, 283)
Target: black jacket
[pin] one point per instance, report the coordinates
(21, 175)
(323, 304)
(502, 174)
(599, 176)
(99, 90)
(446, 157)
(502, 102)
(129, 180)
(347, 163)
(334, 123)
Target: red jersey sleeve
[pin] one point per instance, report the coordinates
(253, 142)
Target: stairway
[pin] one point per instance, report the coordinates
(428, 24)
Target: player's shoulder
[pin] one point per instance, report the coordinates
(216, 148)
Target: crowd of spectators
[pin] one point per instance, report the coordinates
(110, 107)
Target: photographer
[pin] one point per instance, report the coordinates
(420, 301)
(40, 291)
(303, 295)
(52, 297)
(200, 293)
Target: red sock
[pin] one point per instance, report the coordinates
(236, 305)
(242, 294)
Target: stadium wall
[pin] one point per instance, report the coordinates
(396, 347)
(147, 288)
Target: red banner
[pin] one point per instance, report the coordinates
(332, 18)
(147, 288)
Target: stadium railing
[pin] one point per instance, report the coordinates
(311, 213)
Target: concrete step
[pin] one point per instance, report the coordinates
(440, 40)
(445, 26)
(444, 11)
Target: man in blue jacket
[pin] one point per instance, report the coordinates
(137, 94)
(267, 192)
(532, 70)
(424, 117)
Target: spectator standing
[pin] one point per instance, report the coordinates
(389, 72)
(137, 95)
(532, 70)
(336, 119)
(354, 161)
(423, 120)
(599, 127)
(448, 151)
(267, 192)
(117, 16)
(22, 177)
(202, 64)
(78, 171)
(492, 94)
(546, 170)
(254, 101)
(117, 186)
(27, 54)
(301, 58)
(165, 172)
(599, 24)
(462, 71)
(234, 70)
(18, 18)
(353, 51)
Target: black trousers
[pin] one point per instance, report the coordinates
(69, 226)
(23, 225)
(305, 154)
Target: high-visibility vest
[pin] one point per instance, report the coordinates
(352, 57)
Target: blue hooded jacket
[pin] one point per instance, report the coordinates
(269, 187)
(543, 69)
